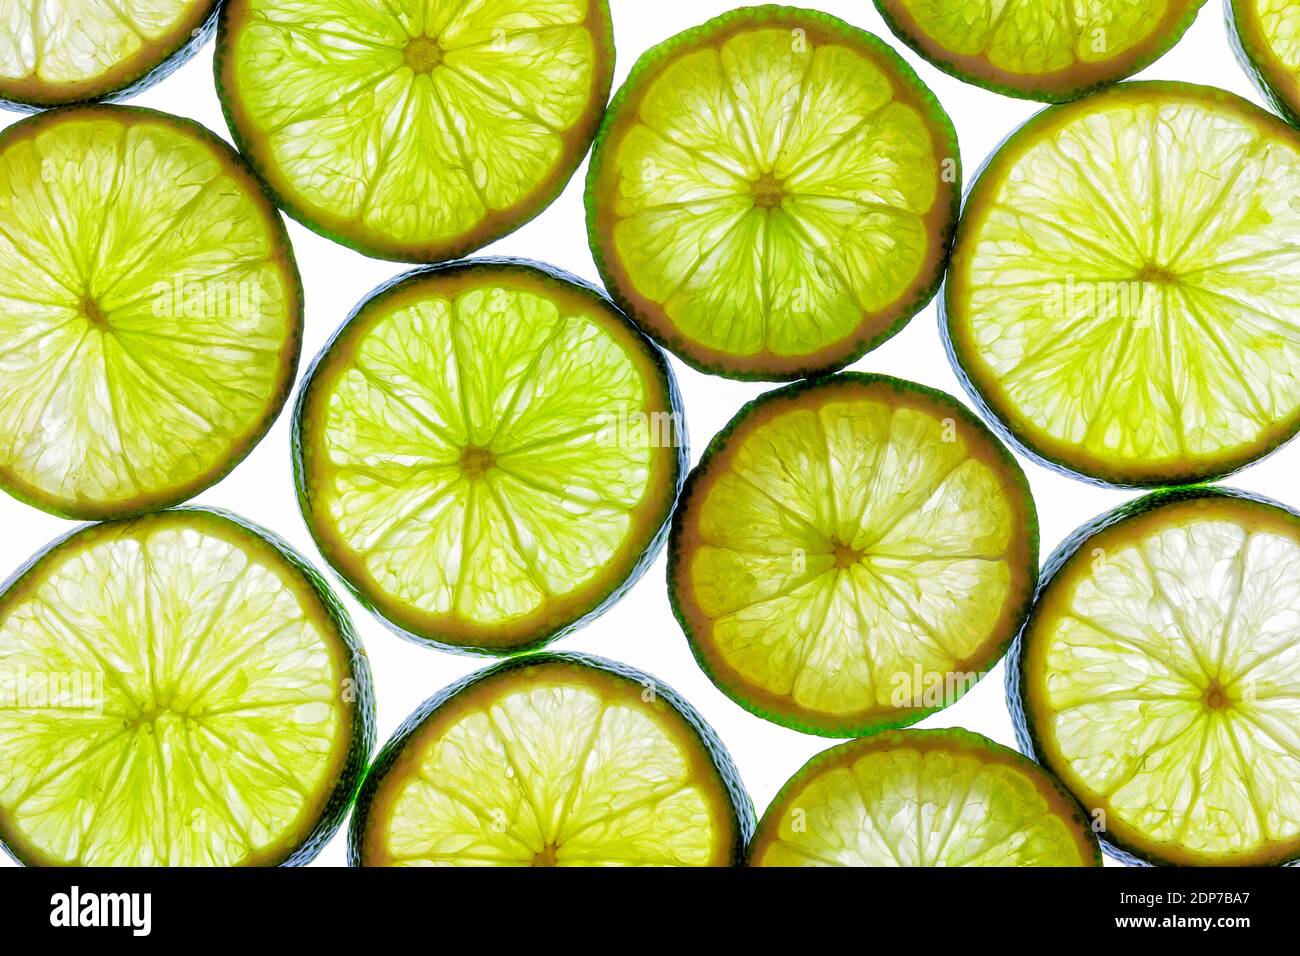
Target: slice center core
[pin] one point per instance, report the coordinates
(768, 191)
(1157, 274)
(845, 555)
(545, 856)
(423, 54)
(1216, 696)
(93, 314)
(476, 462)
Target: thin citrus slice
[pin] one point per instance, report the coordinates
(183, 690)
(923, 798)
(57, 52)
(150, 310)
(553, 760)
(417, 130)
(488, 452)
(1266, 37)
(852, 554)
(1159, 678)
(1123, 295)
(1050, 50)
(772, 194)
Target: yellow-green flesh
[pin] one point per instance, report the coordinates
(1275, 25)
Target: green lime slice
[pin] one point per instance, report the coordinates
(1266, 37)
(923, 798)
(1135, 322)
(150, 311)
(1050, 50)
(1159, 678)
(552, 760)
(488, 453)
(852, 554)
(772, 194)
(57, 52)
(416, 130)
(179, 689)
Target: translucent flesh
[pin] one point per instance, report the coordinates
(1171, 681)
(1279, 22)
(549, 393)
(366, 139)
(143, 311)
(1140, 310)
(555, 773)
(200, 725)
(791, 271)
(847, 545)
(905, 807)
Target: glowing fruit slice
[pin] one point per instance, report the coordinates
(923, 798)
(852, 554)
(1135, 322)
(57, 52)
(488, 453)
(150, 311)
(553, 760)
(772, 194)
(1159, 678)
(413, 130)
(185, 692)
(1051, 50)
(1266, 37)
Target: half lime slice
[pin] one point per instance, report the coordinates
(488, 453)
(413, 130)
(150, 311)
(1040, 49)
(1266, 37)
(1135, 321)
(180, 689)
(57, 52)
(772, 194)
(1159, 678)
(923, 798)
(553, 760)
(852, 554)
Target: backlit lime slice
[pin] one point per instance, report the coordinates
(1266, 37)
(553, 760)
(488, 452)
(772, 194)
(416, 130)
(1124, 295)
(1051, 50)
(852, 554)
(150, 311)
(1159, 677)
(56, 52)
(176, 690)
(923, 798)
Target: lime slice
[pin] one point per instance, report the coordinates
(416, 130)
(488, 453)
(772, 194)
(1135, 322)
(923, 798)
(553, 760)
(56, 52)
(1266, 37)
(179, 689)
(1050, 50)
(150, 311)
(852, 554)
(1159, 678)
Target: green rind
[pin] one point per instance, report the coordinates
(1256, 61)
(908, 716)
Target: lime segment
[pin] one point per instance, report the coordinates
(1266, 34)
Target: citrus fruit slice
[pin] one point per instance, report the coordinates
(852, 554)
(1266, 37)
(1159, 677)
(150, 311)
(552, 760)
(488, 453)
(1134, 321)
(182, 690)
(1050, 50)
(57, 52)
(923, 798)
(772, 194)
(412, 130)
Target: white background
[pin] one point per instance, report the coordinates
(641, 630)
